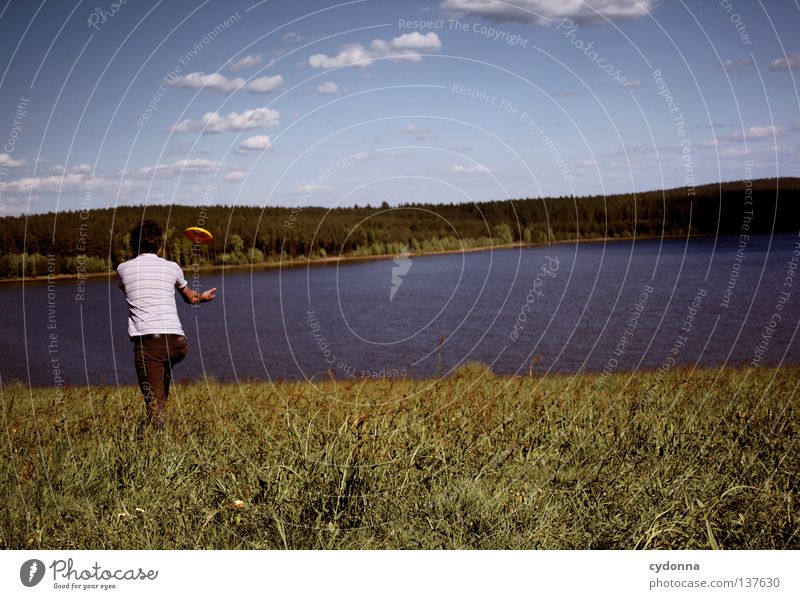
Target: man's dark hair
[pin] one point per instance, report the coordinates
(146, 238)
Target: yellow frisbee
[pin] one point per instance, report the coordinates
(198, 235)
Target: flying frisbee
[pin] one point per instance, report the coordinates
(198, 235)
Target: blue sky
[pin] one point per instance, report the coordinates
(324, 103)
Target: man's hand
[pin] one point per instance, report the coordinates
(190, 296)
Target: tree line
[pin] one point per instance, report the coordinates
(97, 240)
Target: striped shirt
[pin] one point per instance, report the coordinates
(149, 283)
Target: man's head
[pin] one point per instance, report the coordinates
(146, 238)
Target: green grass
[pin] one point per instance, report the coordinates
(709, 459)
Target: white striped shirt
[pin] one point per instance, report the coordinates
(149, 283)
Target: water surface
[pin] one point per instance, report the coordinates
(616, 306)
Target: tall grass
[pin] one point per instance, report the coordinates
(708, 460)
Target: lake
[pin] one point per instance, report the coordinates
(615, 306)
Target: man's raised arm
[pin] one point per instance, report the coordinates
(190, 296)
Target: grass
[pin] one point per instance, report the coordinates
(709, 459)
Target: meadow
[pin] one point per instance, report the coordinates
(699, 459)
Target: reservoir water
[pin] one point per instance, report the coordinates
(616, 306)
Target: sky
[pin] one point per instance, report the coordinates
(324, 103)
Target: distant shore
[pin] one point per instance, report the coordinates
(300, 262)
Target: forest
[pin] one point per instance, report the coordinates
(97, 240)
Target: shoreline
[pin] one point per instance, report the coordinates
(596, 375)
(297, 263)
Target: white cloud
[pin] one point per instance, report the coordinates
(251, 60)
(213, 122)
(7, 161)
(312, 188)
(766, 151)
(186, 165)
(328, 87)
(404, 47)
(81, 169)
(292, 36)
(544, 12)
(785, 63)
(788, 149)
(420, 134)
(354, 54)
(213, 81)
(401, 153)
(70, 183)
(756, 133)
(255, 143)
(11, 206)
(417, 41)
(219, 82)
(235, 175)
(731, 63)
(473, 169)
(265, 85)
(736, 152)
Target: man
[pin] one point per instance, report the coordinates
(149, 283)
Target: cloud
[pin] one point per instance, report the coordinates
(7, 161)
(186, 165)
(543, 12)
(213, 122)
(420, 134)
(312, 188)
(219, 82)
(81, 169)
(353, 54)
(401, 153)
(785, 63)
(732, 63)
(265, 85)
(235, 175)
(251, 60)
(735, 152)
(473, 169)
(70, 183)
(756, 133)
(254, 143)
(416, 41)
(328, 88)
(767, 151)
(405, 47)
(213, 81)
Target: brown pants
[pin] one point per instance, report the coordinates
(154, 357)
